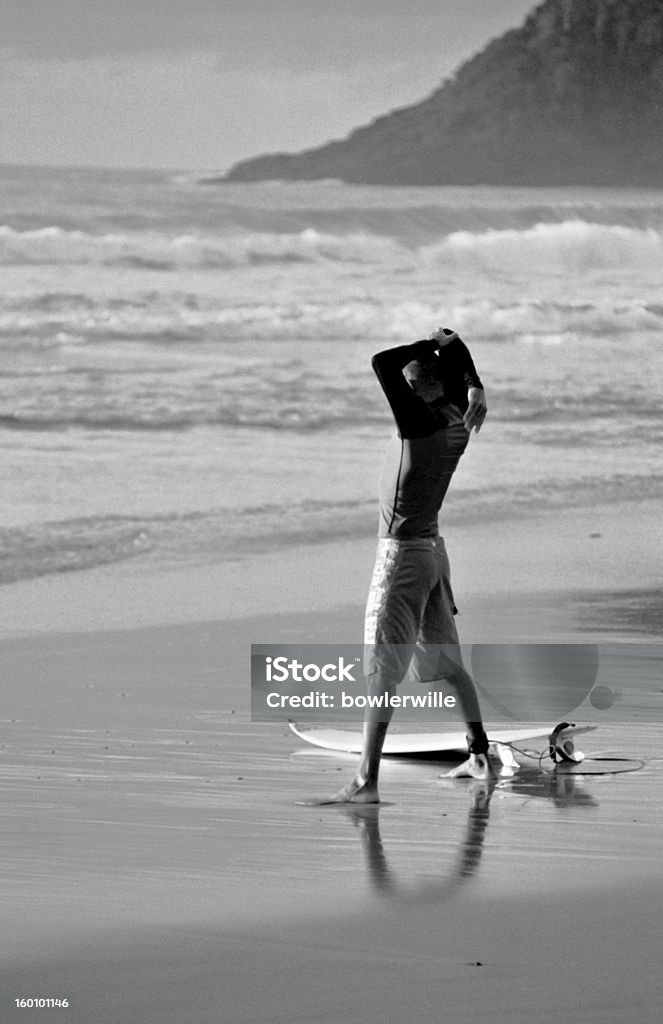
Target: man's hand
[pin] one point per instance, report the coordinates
(441, 338)
(476, 410)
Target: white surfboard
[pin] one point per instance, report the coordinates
(402, 744)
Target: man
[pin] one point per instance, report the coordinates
(436, 398)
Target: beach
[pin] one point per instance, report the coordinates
(191, 436)
(157, 863)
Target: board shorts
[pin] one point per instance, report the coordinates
(409, 626)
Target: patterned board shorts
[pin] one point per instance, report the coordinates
(409, 622)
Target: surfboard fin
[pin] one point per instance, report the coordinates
(505, 756)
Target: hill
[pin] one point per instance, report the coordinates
(573, 97)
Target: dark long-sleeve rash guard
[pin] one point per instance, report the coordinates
(423, 455)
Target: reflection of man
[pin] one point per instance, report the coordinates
(564, 791)
(436, 398)
(466, 866)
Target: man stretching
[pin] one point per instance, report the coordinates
(436, 398)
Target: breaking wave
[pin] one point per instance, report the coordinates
(543, 246)
(166, 319)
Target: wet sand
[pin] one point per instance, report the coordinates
(157, 867)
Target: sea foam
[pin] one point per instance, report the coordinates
(570, 244)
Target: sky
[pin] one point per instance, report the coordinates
(201, 84)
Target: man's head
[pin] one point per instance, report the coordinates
(423, 377)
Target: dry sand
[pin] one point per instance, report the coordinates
(157, 868)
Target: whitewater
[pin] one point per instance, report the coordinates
(186, 365)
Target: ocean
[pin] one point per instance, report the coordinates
(186, 364)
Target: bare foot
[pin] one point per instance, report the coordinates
(477, 766)
(356, 792)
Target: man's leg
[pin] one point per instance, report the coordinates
(477, 765)
(440, 657)
(438, 664)
(364, 786)
(401, 582)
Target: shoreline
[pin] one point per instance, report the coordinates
(552, 564)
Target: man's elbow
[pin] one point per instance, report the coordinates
(377, 362)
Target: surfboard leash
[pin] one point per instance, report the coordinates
(562, 751)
